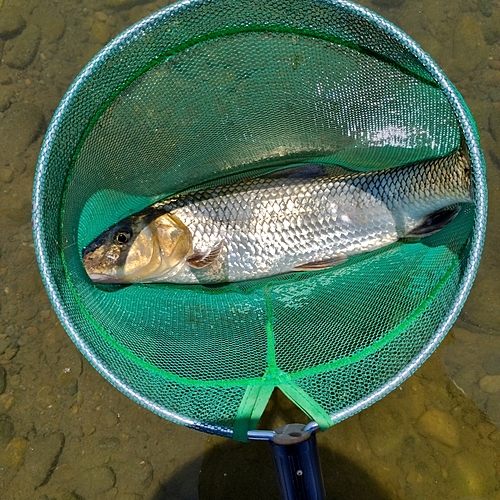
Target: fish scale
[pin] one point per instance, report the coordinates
(265, 226)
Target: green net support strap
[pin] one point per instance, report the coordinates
(307, 404)
(251, 408)
(255, 400)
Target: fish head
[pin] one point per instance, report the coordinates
(140, 248)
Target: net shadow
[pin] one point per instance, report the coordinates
(245, 471)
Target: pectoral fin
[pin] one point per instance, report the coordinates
(434, 222)
(199, 261)
(322, 264)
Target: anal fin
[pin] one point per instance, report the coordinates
(434, 222)
(322, 264)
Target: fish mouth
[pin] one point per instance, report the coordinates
(102, 278)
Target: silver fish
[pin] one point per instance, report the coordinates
(291, 221)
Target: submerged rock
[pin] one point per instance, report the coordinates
(3, 379)
(14, 453)
(473, 475)
(491, 363)
(21, 124)
(440, 426)
(11, 23)
(94, 482)
(42, 457)
(20, 51)
(6, 431)
(384, 430)
(490, 383)
(469, 47)
(6, 95)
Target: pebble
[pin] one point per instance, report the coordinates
(15, 380)
(42, 457)
(6, 401)
(109, 418)
(101, 32)
(14, 453)
(6, 431)
(31, 332)
(440, 426)
(465, 378)
(51, 23)
(21, 124)
(384, 430)
(11, 23)
(415, 478)
(472, 475)
(138, 476)
(492, 28)
(4, 344)
(471, 418)
(490, 383)
(138, 12)
(20, 52)
(485, 7)
(491, 361)
(71, 361)
(5, 77)
(141, 474)
(494, 126)
(6, 95)
(109, 442)
(469, 47)
(495, 436)
(6, 175)
(494, 94)
(101, 16)
(45, 314)
(3, 379)
(485, 428)
(492, 408)
(68, 385)
(94, 482)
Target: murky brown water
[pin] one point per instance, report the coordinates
(66, 434)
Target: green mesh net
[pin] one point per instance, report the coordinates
(206, 91)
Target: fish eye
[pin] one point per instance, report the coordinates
(122, 237)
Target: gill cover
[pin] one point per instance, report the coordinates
(158, 250)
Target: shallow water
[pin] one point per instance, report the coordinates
(65, 433)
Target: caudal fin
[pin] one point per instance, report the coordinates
(434, 222)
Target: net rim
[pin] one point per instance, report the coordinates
(125, 38)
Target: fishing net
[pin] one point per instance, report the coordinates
(203, 92)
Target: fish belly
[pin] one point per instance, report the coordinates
(270, 231)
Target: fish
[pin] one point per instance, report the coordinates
(302, 219)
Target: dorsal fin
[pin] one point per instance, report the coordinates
(305, 171)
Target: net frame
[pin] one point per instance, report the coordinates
(57, 143)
